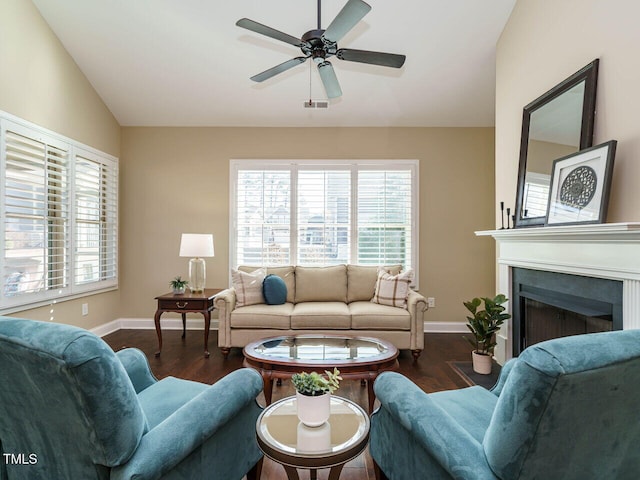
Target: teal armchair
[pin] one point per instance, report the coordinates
(566, 409)
(71, 408)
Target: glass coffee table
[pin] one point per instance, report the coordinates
(357, 358)
(284, 439)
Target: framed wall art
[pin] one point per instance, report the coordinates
(580, 185)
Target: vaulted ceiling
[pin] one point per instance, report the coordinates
(186, 63)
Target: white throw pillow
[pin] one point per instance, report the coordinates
(393, 290)
(248, 286)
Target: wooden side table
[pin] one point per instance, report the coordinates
(183, 304)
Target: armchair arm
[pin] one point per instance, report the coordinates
(432, 427)
(502, 379)
(225, 303)
(137, 366)
(170, 442)
(417, 305)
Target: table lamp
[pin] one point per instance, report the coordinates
(197, 245)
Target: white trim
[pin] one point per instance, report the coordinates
(198, 324)
(148, 324)
(445, 327)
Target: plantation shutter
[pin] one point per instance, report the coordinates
(324, 207)
(384, 209)
(96, 220)
(36, 216)
(263, 217)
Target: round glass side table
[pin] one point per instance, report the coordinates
(285, 440)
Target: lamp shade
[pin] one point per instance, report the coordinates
(196, 245)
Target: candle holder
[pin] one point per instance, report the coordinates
(508, 217)
(502, 215)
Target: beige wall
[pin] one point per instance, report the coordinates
(176, 180)
(41, 83)
(544, 42)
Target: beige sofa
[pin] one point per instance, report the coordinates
(323, 300)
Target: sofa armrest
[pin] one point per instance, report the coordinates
(417, 305)
(431, 427)
(137, 366)
(171, 441)
(225, 303)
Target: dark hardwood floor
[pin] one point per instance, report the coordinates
(185, 359)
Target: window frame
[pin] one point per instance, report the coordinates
(294, 166)
(69, 290)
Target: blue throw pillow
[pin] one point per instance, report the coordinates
(274, 290)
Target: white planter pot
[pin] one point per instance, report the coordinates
(481, 363)
(313, 411)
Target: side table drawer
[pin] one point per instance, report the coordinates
(183, 304)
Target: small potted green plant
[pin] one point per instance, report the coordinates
(484, 324)
(313, 395)
(179, 285)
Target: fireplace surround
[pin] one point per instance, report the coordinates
(609, 251)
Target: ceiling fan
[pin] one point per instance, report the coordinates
(321, 44)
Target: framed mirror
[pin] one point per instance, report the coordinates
(556, 124)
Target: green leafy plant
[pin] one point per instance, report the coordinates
(485, 323)
(178, 283)
(314, 384)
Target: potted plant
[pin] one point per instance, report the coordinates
(484, 324)
(179, 286)
(313, 395)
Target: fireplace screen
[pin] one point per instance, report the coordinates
(544, 322)
(549, 305)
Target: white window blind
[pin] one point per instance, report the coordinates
(58, 201)
(324, 213)
(96, 215)
(384, 217)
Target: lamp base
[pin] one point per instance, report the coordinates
(197, 275)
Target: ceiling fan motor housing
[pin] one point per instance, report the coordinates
(316, 46)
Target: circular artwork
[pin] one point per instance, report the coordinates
(578, 188)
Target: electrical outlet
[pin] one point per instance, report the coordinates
(85, 309)
(431, 302)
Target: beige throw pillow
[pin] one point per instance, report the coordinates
(248, 286)
(393, 290)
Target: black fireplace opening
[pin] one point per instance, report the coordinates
(548, 305)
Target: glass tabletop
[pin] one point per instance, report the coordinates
(308, 348)
(279, 427)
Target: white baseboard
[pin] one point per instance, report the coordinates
(148, 324)
(198, 324)
(445, 327)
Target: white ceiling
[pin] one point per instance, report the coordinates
(185, 63)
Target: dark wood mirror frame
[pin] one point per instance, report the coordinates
(588, 75)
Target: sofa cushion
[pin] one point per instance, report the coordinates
(286, 273)
(161, 399)
(274, 290)
(361, 281)
(393, 290)
(262, 316)
(371, 316)
(321, 284)
(321, 315)
(248, 286)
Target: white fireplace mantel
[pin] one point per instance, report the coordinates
(608, 250)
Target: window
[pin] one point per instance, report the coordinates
(59, 216)
(324, 212)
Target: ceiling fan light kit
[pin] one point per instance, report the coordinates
(319, 45)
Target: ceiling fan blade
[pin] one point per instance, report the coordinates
(273, 71)
(270, 32)
(329, 80)
(374, 58)
(351, 13)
